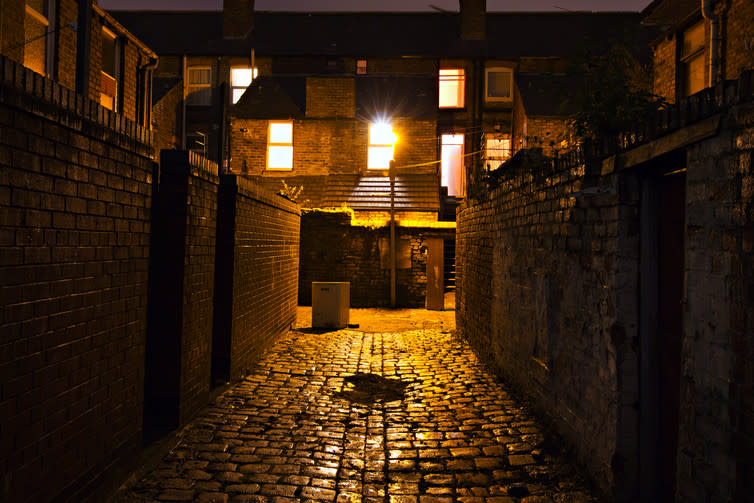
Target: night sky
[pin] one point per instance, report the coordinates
(383, 5)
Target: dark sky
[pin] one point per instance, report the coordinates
(383, 5)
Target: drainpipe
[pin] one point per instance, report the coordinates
(184, 70)
(708, 12)
(144, 115)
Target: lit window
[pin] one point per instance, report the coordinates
(451, 164)
(692, 60)
(37, 33)
(497, 151)
(381, 142)
(199, 86)
(452, 88)
(280, 146)
(499, 84)
(110, 69)
(241, 78)
(361, 67)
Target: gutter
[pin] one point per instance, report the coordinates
(709, 14)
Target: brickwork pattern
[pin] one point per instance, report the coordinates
(165, 114)
(262, 279)
(664, 72)
(738, 19)
(540, 271)
(330, 97)
(296, 430)
(74, 231)
(334, 250)
(716, 437)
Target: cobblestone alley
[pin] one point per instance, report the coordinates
(395, 410)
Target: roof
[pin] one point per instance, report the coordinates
(277, 97)
(273, 98)
(413, 192)
(669, 12)
(510, 35)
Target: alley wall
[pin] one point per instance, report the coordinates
(108, 282)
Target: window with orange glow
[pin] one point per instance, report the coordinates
(693, 60)
(280, 146)
(241, 77)
(38, 49)
(381, 143)
(108, 96)
(452, 88)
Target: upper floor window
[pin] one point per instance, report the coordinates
(280, 145)
(199, 90)
(452, 88)
(241, 77)
(38, 47)
(381, 143)
(110, 70)
(498, 84)
(361, 67)
(692, 60)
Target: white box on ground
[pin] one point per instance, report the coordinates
(331, 301)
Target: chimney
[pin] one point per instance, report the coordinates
(473, 19)
(238, 18)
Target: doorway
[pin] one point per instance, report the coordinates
(451, 164)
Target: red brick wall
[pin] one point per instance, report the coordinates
(12, 29)
(65, 72)
(74, 231)
(165, 116)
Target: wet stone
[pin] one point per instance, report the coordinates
(353, 416)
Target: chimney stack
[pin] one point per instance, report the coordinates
(238, 18)
(473, 19)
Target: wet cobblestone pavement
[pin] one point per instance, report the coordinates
(404, 416)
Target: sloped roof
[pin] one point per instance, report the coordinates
(273, 98)
(417, 192)
(404, 95)
(510, 35)
(669, 12)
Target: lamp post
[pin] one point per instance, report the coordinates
(392, 234)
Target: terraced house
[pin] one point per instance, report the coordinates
(324, 101)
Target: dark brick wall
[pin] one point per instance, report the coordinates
(74, 231)
(257, 274)
(544, 293)
(180, 335)
(334, 250)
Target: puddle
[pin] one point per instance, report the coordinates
(370, 388)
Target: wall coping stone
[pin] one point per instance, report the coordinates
(45, 97)
(255, 190)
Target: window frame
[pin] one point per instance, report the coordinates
(498, 159)
(685, 59)
(116, 70)
(461, 93)
(361, 69)
(47, 19)
(197, 87)
(375, 147)
(233, 88)
(277, 144)
(497, 69)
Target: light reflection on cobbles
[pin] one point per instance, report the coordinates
(287, 434)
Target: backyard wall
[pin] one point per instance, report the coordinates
(544, 290)
(332, 249)
(75, 198)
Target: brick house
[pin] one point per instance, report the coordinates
(327, 92)
(105, 63)
(702, 43)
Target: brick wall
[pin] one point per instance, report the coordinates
(75, 187)
(665, 69)
(571, 284)
(183, 278)
(165, 115)
(322, 146)
(547, 133)
(65, 72)
(334, 250)
(330, 97)
(716, 440)
(738, 20)
(257, 274)
(540, 271)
